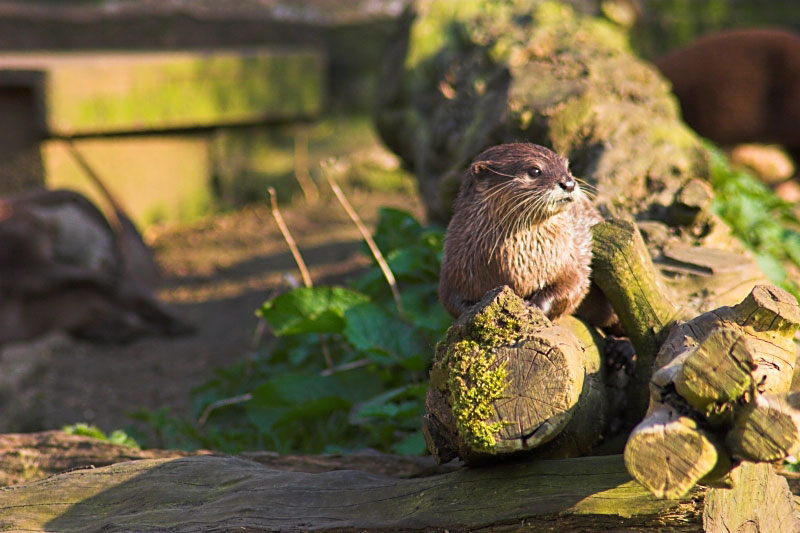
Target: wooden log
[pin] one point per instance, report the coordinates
(214, 493)
(25, 457)
(669, 453)
(766, 429)
(716, 371)
(760, 501)
(30, 456)
(506, 380)
(720, 392)
(218, 493)
(623, 270)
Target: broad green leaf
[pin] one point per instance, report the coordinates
(370, 328)
(295, 388)
(412, 444)
(310, 310)
(386, 404)
(395, 229)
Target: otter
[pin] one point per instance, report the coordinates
(740, 86)
(64, 266)
(522, 220)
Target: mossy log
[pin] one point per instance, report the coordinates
(217, 493)
(624, 271)
(720, 395)
(463, 76)
(469, 74)
(506, 379)
(30, 456)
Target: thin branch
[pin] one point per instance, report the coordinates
(222, 403)
(310, 189)
(384, 266)
(276, 214)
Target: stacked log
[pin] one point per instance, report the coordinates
(507, 381)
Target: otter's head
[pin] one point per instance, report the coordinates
(523, 181)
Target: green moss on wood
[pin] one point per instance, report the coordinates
(467, 367)
(548, 75)
(117, 92)
(475, 382)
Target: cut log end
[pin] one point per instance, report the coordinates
(505, 380)
(668, 453)
(770, 308)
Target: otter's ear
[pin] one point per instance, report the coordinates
(478, 166)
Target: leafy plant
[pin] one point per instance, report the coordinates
(373, 396)
(117, 436)
(764, 222)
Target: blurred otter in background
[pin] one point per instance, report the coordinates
(740, 86)
(64, 266)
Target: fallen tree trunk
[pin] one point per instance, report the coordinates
(214, 493)
(30, 456)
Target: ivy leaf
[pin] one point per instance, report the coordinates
(310, 310)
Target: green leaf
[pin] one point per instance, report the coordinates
(370, 328)
(310, 310)
(395, 229)
(120, 437)
(792, 243)
(412, 444)
(303, 394)
(384, 405)
(771, 267)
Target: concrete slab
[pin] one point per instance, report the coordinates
(91, 93)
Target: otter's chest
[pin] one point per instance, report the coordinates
(531, 260)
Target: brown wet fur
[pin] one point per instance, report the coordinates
(740, 86)
(62, 266)
(512, 227)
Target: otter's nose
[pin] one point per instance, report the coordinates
(567, 183)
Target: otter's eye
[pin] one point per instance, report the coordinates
(534, 172)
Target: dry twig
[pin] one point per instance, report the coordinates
(276, 214)
(384, 266)
(222, 403)
(310, 189)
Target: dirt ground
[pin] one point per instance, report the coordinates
(217, 271)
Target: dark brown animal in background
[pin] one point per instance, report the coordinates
(62, 266)
(740, 86)
(521, 220)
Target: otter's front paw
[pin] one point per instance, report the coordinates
(542, 301)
